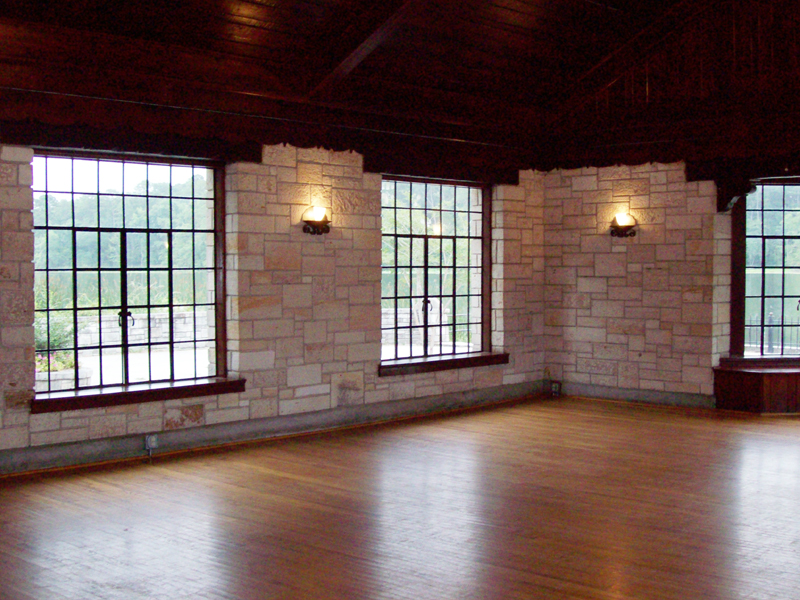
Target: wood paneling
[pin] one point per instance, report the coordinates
(552, 499)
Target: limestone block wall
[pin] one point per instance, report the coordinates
(305, 310)
(642, 313)
(16, 295)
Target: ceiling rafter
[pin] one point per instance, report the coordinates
(633, 52)
(379, 35)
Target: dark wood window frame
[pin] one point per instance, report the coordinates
(414, 365)
(116, 395)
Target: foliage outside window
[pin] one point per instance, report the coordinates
(432, 286)
(772, 273)
(124, 264)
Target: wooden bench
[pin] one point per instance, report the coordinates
(758, 385)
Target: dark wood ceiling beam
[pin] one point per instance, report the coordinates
(629, 55)
(355, 57)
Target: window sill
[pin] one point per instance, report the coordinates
(759, 363)
(410, 366)
(134, 394)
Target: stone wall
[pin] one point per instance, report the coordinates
(16, 295)
(647, 313)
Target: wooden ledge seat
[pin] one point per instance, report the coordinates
(759, 385)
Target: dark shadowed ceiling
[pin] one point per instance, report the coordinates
(472, 88)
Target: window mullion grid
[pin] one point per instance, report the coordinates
(426, 303)
(396, 270)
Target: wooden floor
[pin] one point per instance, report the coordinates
(552, 499)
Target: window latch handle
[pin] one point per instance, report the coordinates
(126, 314)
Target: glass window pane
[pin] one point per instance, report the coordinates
(159, 250)
(448, 197)
(185, 358)
(448, 223)
(139, 364)
(59, 249)
(203, 182)
(418, 195)
(403, 252)
(137, 288)
(753, 222)
(86, 175)
(181, 178)
(387, 283)
(388, 220)
(773, 252)
(59, 210)
(59, 290)
(182, 250)
(388, 251)
(403, 194)
(159, 213)
(134, 178)
(109, 250)
(110, 177)
(110, 211)
(204, 286)
(59, 174)
(86, 249)
(111, 366)
(462, 223)
(159, 287)
(136, 250)
(403, 221)
(203, 250)
(158, 180)
(88, 292)
(419, 225)
(773, 223)
(204, 215)
(773, 197)
(110, 330)
(183, 287)
(86, 211)
(135, 212)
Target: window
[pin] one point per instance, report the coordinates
(435, 271)
(126, 273)
(772, 270)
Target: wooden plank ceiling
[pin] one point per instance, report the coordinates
(474, 88)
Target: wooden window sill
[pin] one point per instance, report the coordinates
(410, 366)
(134, 394)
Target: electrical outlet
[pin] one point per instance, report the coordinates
(150, 442)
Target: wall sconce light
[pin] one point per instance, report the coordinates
(316, 220)
(622, 225)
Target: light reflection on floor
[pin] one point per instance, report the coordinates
(429, 509)
(767, 529)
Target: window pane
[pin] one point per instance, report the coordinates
(136, 250)
(109, 250)
(753, 222)
(59, 249)
(110, 177)
(135, 212)
(59, 291)
(159, 213)
(183, 287)
(86, 249)
(773, 197)
(88, 291)
(204, 286)
(86, 175)
(159, 250)
(111, 366)
(204, 215)
(86, 211)
(111, 211)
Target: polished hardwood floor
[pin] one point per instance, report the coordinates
(566, 498)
